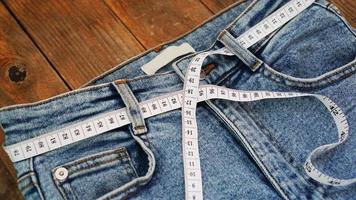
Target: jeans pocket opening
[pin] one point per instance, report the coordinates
(338, 74)
(28, 185)
(112, 168)
(313, 50)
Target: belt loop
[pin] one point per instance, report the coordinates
(242, 53)
(132, 107)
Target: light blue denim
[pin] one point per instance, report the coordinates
(249, 150)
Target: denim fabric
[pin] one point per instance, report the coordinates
(250, 150)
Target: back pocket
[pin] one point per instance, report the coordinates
(95, 175)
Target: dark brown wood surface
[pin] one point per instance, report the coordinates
(80, 38)
(49, 47)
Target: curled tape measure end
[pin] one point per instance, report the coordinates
(187, 99)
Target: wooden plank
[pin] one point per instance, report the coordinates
(348, 10)
(25, 76)
(217, 5)
(154, 22)
(8, 188)
(81, 38)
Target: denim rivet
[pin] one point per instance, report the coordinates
(61, 173)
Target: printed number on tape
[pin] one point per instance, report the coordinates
(187, 99)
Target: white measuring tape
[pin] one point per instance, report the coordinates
(191, 160)
(188, 99)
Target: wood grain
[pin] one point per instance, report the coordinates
(8, 188)
(22, 66)
(215, 5)
(80, 38)
(348, 10)
(154, 22)
(25, 76)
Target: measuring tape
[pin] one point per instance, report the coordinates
(191, 160)
(187, 99)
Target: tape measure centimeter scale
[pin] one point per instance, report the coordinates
(191, 160)
(187, 99)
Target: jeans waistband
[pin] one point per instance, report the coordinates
(132, 107)
(323, 27)
(23, 122)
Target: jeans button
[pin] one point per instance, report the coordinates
(61, 173)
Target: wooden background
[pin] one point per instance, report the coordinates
(48, 47)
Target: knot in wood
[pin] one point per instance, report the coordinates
(17, 73)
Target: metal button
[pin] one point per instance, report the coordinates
(61, 173)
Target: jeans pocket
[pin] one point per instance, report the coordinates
(95, 175)
(315, 49)
(28, 185)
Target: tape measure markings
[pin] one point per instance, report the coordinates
(187, 98)
(247, 40)
(193, 182)
(273, 22)
(112, 120)
(206, 92)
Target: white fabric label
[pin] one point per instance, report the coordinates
(187, 99)
(165, 57)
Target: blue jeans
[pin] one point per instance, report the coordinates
(249, 150)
